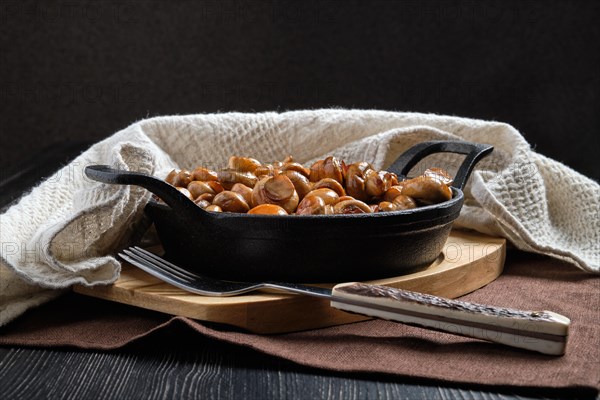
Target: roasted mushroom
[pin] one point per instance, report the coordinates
(294, 166)
(204, 174)
(268, 209)
(278, 190)
(229, 177)
(328, 186)
(403, 202)
(439, 174)
(216, 186)
(202, 203)
(355, 180)
(186, 192)
(180, 178)
(231, 202)
(392, 192)
(328, 195)
(243, 164)
(386, 206)
(313, 205)
(427, 190)
(351, 207)
(377, 183)
(197, 188)
(205, 196)
(300, 182)
(243, 190)
(330, 167)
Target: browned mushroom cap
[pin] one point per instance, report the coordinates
(214, 208)
(277, 189)
(268, 209)
(393, 177)
(439, 174)
(329, 196)
(185, 192)
(427, 190)
(294, 166)
(180, 178)
(216, 186)
(277, 165)
(344, 198)
(264, 170)
(351, 207)
(355, 187)
(202, 203)
(197, 188)
(355, 180)
(244, 190)
(402, 202)
(206, 196)
(392, 192)
(359, 168)
(316, 170)
(228, 178)
(171, 177)
(377, 183)
(243, 164)
(386, 206)
(300, 182)
(204, 174)
(330, 184)
(330, 167)
(231, 202)
(313, 205)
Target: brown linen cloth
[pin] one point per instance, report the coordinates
(373, 346)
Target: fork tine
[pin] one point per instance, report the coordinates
(152, 265)
(148, 267)
(165, 275)
(151, 257)
(200, 285)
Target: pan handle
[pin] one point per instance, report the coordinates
(173, 197)
(473, 151)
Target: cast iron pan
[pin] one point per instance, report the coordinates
(314, 248)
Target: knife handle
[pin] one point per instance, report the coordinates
(542, 331)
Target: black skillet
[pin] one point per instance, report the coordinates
(316, 248)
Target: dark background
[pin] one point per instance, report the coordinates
(73, 71)
(79, 71)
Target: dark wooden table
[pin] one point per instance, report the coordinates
(178, 363)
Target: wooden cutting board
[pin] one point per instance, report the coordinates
(468, 262)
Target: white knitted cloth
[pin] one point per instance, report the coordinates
(65, 231)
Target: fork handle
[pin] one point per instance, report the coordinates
(542, 331)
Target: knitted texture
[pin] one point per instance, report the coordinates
(66, 230)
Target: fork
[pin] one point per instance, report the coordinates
(542, 331)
